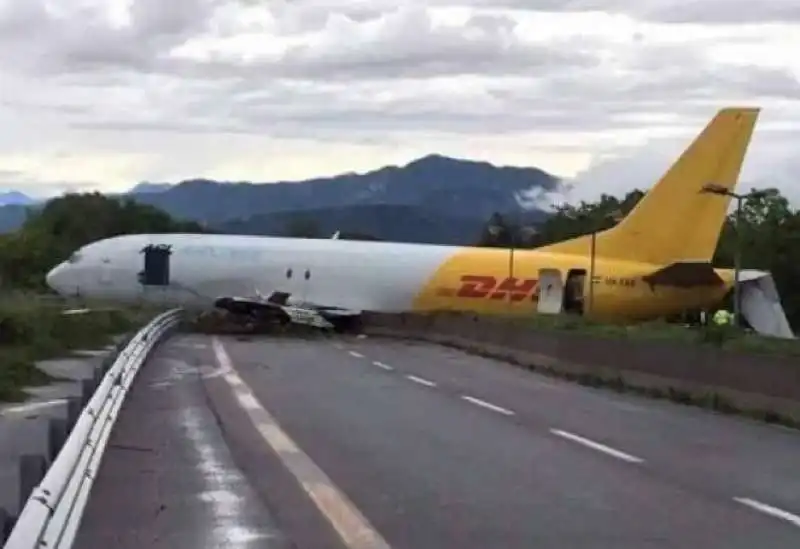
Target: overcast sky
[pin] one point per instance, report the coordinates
(102, 94)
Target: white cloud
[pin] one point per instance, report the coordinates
(105, 93)
(666, 11)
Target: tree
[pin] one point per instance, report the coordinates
(302, 227)
(66, 223)
(497, 233)
(355, 235)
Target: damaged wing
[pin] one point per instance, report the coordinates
(279, 306)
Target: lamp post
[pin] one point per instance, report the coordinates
(614, 216)
(713, 188)
(512, 243)
(495, 229)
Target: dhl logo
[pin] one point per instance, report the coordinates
(485, 286)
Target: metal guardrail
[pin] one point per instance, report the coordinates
(52, 514)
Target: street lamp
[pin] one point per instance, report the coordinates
(495, 229)
(714, 188)
(514, 234)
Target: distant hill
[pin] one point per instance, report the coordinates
(12, 216)
(146, 187)
(434, 199)
(383, 221)
(15, 198)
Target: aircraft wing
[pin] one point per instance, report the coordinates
(685, 274)
(761, 305)
(280, 305)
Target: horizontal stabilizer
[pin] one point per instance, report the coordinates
(761, 305)
(685, 274)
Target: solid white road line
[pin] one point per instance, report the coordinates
(351, 525)
(382, 365)
(355, 354)
(597, 446)
(31, 407)
(421, 381)
(770, 510)
(488, 405)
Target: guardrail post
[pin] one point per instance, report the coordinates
(56, 436)
(32, 468)
(87, 390)
(74, 409)
(6, 525)
(97, 376)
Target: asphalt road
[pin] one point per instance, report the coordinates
(364, 443)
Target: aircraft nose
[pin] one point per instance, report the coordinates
(57, 278)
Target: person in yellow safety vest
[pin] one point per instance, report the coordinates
(723, 317)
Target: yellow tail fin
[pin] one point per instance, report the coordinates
(674, 221)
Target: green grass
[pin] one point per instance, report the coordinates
(33, 329)
(722, 337)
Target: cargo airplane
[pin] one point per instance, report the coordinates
(656, 261)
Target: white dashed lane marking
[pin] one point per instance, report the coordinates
(506, 412)
(488, 405)
(597, 446)
(770, 510)
(421, 381)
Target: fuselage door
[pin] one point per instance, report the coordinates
(551, 292)
(155, 275)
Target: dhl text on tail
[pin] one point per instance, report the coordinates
(655, 262)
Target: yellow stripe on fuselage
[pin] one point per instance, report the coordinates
(476, 280)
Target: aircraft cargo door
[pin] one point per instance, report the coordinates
(551, 292)
(156, 266)
(155, 276)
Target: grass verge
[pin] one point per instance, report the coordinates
(33, 329)
(721, 337)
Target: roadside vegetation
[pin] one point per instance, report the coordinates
(33, 328)
(32, 324)
(721, 337)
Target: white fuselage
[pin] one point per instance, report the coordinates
(350, 274)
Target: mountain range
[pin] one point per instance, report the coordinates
(434, 199)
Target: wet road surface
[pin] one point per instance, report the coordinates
(369, 443)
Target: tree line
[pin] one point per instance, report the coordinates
(51, 234)
(769, 235)
(64, 224)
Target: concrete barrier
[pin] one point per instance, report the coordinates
(729, 381)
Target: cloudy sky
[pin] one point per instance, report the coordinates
(102, 94)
